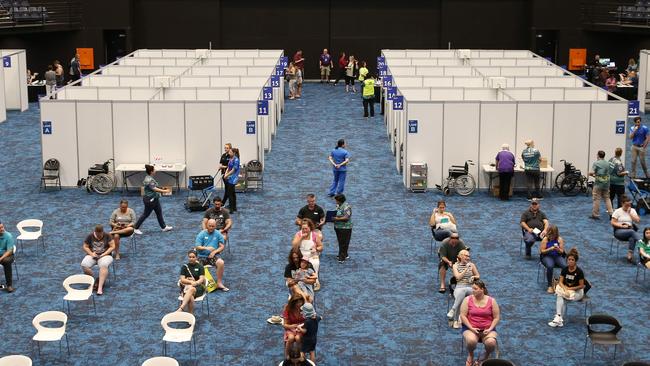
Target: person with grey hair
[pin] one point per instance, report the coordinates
(505, 161)
(531, 157)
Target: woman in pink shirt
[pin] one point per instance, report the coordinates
(480, 315)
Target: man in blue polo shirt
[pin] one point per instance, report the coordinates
(6, 255)
(339, 158)
(639, 136)
(209, 244)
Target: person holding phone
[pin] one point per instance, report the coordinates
(480, 315)
(151, 200)
(551, 254)
(122, 221)
(624, 221)
(465, 273)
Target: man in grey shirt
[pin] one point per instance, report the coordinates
(50, 81)
(448, 254)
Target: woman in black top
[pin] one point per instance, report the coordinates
(570, 287)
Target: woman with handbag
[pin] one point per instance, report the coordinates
(551, 254)
(624, 221)
(191, 282)
(571, 287)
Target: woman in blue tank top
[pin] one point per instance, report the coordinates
(551, 254)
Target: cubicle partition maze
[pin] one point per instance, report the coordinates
(14, 70)
(165, 124)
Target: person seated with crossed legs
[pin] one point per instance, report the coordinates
(192, 282)
(122, 222)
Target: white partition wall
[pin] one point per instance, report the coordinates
(15, 79)
(644, 78)
(3, 108)
(94, 134)
(498, 126)
(61, 143)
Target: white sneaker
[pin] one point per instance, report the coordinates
(137, 231)
(167, 228)
(451, 313)
(556, 322)
(456, 324)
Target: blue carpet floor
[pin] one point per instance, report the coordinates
(379, 308)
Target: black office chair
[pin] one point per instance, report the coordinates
(606, 337)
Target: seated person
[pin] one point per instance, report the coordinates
(480, 315)
(442, 223)
(534, 224)
(298, 281)
(191, 282)
(551, 254)
(624, 221)
(7, 255)
(465, 273)
(220, 215)
(644, 248)
(313, 212)
(208, 245)
(448, 253)
(571, 287)
(98, 247)
(632, 79)
(122, 221)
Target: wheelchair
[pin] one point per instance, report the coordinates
(100, 179)
(459, 180)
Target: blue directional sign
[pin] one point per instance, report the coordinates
(620, 127)
(387, 81)
(262, 107)
(250, 127)
(6, 61)
(633, 108)
(398, 102)
(47, 127)
(413, 126)
(275, 81)
(391, 92)
(267, 93)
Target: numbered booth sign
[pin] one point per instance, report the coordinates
(284, 62)
(279, 71)
(398, 102)
(633, 108)
(387, 81)
(262, 107)
(6, 61)
(267, 93)
(413, 126)
(391, 92)
(275, 81)
(250, 127)
(381, 62)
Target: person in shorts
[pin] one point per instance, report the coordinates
(122, 222)
(192, 282)
(98, 247)
(325, 64)
(209, 245)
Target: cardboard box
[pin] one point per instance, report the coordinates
(543, 162)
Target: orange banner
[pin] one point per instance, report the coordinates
(86, 58)
(577, 58)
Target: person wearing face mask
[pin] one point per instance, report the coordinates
(624, 221)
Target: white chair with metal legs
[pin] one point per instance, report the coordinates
(176, 335)
(50, 334)
(76, 294)
(30, 235)
(202, 297)
(15, 360)
(160, 361)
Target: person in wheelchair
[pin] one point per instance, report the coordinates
(442, 222)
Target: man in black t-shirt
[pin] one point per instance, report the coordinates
(192, 281)
(220, 215)
(534, 224)
(313, 212)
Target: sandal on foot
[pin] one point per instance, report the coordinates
(223, 288)
(442, 290)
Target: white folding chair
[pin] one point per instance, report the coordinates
(15, 360)
(47, 334)
(30, 235)
(160, 361)
(202, 297)
(76, 294)
(176, 335)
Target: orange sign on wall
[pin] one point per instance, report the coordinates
(577, 58)
(86, 58)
